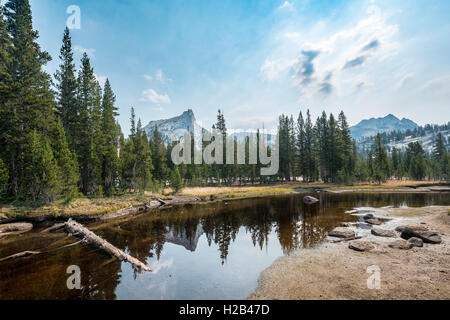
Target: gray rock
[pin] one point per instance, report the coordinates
(426, 236)
(346, 225)
(361, 246)
(310, 200)
(374, 222)
(416, 242)
(342, 233)
(369, 216)
(414, 227)
(383, 233)
(401, 245)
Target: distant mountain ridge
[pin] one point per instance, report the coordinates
(372, 127)
(173, 129)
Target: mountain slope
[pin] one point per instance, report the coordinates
(173, 129)
(372, 127)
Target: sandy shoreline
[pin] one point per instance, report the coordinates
(333, 271)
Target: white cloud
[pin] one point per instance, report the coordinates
(81, 50)
(158, 76)
(347, 53)
(161, 77)
(286, 5)
(101, 79)
(438, 86)
(272, 69)
(404, 79)
(159, 265)
(152, 96)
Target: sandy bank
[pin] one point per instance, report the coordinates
(333, 271)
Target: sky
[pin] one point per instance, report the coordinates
(257, 59)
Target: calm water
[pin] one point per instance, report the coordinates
(214, 251)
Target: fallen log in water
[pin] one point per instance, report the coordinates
(20, 255)
(91, 238)
(162, 202)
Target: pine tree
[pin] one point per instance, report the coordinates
(158, 151)
(176, 182)
(67, 163)
(323, 134)
(109, 133)
(30, 106)
(66, 88)
(143, 159)
(5, 111)
(41, 172)
(301, 152)
(345, 149)
(309, 149)
(4, 177)
(440, 157)
(88, 128)
(380, 162)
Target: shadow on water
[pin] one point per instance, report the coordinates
(213, 251)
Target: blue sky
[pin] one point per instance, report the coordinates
(258, 59)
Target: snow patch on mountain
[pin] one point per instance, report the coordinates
(372, 127)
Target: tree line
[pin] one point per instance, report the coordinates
(60, 137)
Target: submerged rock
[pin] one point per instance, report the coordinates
(416, 242)
(401, 245)
(383, 233)
(310, 200)
(374, 222)
(342, 233)
(369, 216)
(361, 246)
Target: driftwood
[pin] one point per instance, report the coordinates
(347, 239)
(20, 255)
(54, 228)
(91, 238)
(162, 202)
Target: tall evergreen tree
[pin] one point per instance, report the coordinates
(66, 87)
(88, 128)
(380, 162)
(110, 133)
(158, 151)
(69, 175)
(31, 105)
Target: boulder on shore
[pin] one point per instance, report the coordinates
(426, 236)
(361, 246)
(310, 200)
(414, 227)
(401, 245)
(383, 233)
(342, 233)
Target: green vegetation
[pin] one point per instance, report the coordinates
(61, 141)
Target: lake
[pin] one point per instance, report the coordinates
(201, 251)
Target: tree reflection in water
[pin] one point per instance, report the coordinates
(285, 218)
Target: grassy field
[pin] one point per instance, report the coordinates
(101, 206)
